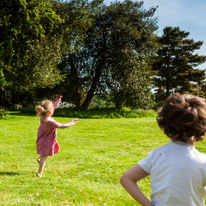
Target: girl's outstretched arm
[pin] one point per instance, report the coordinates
(129, 180)
(55, 104)
(56, 124)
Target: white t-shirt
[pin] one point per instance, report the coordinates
(178, 175)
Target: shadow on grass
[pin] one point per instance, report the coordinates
(10, 173)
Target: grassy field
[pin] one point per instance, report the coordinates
(93, 156)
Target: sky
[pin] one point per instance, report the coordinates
(188, 15)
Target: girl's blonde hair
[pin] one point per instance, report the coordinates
(44, 109)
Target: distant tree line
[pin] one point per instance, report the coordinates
(82, 48)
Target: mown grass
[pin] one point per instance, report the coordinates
(93, 156)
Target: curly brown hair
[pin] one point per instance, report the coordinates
(183, 118)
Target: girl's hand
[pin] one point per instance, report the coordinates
(75, 120)
(60, 97)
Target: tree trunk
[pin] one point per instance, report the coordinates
(75, 82)
(2, 97)
(94, 84)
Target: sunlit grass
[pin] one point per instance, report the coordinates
(93, 156)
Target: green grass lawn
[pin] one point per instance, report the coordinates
(93, 156)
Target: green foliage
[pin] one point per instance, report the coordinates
(2, 78)
(77, 49)
(98, 112)
(3, 113)
(29, 46)
(34, 37)
(23, 24)
(77, 15)
(175, 65)
(134, 45)
(78, 18)
(114, 58)
(29, 110)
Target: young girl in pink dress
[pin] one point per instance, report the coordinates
(46, 143)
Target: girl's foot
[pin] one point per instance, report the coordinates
(39, 175)
(38, 160)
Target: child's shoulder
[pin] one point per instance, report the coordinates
(165, 150)
(201, 156)
(50, 119)
(162, 148)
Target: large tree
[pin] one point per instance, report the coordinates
(78, 18)
(176, 64)
(115, 56)
(28, 45)
(34, 36)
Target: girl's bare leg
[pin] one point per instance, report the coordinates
(42, 163)
(38, 159)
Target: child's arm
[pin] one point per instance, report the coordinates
(62, 126)
(129, 180)
(55, 104)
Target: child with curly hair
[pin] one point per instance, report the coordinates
(46, 143)
(177, 170)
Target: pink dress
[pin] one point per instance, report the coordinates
(46, 143)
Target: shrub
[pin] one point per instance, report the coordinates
(30, 110)
(15, 107)
(3, 113)
(97, 112)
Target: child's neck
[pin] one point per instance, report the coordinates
(191, 143)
